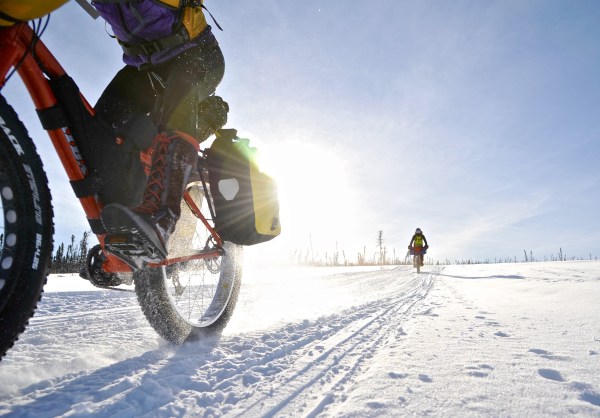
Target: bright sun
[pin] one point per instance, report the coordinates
(317, 203)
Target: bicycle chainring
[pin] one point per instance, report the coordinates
(96, 274)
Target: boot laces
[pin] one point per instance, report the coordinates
(155, 183)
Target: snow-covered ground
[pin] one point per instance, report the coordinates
(479, 340)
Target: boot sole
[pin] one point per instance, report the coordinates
(130, 235)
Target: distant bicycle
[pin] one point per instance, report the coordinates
(418, 254)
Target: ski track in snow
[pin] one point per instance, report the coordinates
(451, 341)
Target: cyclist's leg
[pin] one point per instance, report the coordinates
(128, 92)
(124, 104)
(189, 79)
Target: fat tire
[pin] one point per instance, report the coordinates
(26, 246)
(151, 286)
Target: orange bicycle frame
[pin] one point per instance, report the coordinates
(16, 51)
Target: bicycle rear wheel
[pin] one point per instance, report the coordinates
(25, 227)
(191, 299)
(417, 262)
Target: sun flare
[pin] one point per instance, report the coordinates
(316, 198)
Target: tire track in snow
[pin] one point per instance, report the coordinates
(66, 308)
(99, 326)
(320, 382)
(50, 320)
(300, 369)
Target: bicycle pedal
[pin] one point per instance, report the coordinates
(131, 249)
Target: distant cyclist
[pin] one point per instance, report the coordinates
(419, 241)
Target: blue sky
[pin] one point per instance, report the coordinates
(476, 121)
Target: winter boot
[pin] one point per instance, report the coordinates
(144, 231)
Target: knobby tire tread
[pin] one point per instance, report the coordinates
(153, 298)
(34, 228)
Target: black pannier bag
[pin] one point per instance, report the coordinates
(245, 198)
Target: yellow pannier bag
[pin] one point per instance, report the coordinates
(14, 11)
(245, 198)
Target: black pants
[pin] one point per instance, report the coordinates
(188, 79)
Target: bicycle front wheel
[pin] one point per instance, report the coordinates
(25, 227)
(417, 263)
(191, 299)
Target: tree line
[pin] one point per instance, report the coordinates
(70, 258)
(379, 254)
